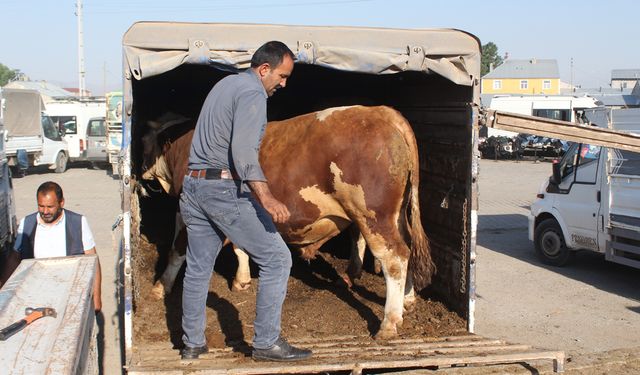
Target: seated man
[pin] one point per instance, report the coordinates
(53, 232)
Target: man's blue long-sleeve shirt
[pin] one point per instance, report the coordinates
(230, 127)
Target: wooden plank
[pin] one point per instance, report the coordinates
(562, 130)
(346, 354)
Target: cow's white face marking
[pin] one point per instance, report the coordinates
(160, 171)
(322, 115)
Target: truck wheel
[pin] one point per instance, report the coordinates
(61, 162)
(550, 245)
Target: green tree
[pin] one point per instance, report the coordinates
(6, 74)
(489, 56)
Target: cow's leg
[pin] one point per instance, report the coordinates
(176, 258)
(393, 254)
(409, 294)
(358, 246)
(242, 280)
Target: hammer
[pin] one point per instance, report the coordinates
(32, 314)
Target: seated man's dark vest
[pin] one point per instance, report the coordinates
(73, 230)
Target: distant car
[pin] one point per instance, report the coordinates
(96, 150)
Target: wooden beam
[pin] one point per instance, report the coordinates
(565, 130)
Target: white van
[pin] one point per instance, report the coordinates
(560, 107)
(73, 117)
(592, 200)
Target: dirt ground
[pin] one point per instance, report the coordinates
(318, 304)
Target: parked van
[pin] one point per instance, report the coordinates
(73, 117)
(96, 146)
(592, 200)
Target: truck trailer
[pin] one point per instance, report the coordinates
(31, 138)
(430, 76)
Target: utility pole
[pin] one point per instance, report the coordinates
(104, 77)
(573, 89)
(81, 85)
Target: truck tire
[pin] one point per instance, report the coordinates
(549, 243)
(61, 162)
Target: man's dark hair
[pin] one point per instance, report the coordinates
(48, 187)
(271, 53)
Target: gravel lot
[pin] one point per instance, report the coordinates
(590, 309)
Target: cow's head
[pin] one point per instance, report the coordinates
(153, 141)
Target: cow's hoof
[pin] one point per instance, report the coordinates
(409, 303)
(157, 292)
(377, 266)
(240, 286)
(386, 333)
(344, 281)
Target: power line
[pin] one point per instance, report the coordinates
(109, 8)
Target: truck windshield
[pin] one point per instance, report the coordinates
(49, 129)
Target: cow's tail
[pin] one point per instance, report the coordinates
(421, 265)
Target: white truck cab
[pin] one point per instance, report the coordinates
(592, 200)
(74, 117)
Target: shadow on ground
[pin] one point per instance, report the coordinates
(587, 266)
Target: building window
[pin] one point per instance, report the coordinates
(524, 84)
(546, 84)
(497, 84)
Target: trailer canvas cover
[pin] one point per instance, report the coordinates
(152, 48)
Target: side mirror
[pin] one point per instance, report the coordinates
(556, 177)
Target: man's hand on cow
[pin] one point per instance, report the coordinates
(278, 211)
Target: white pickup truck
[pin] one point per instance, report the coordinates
(592, 200)
(30, 137)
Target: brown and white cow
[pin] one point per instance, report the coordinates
(333, 168)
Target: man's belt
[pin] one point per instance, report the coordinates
(211, 174)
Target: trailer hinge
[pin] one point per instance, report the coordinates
(117, 222)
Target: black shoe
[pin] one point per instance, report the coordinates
(281, 351)
(193, 353)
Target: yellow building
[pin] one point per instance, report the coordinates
(534, 76)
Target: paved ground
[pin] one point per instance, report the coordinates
(590, 309)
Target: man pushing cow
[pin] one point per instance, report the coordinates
(216, 203)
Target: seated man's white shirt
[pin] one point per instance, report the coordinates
(51, 240)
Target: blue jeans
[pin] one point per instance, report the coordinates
(213, 210)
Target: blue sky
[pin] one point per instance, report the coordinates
(40, 37)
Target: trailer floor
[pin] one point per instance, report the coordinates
(354, 354)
